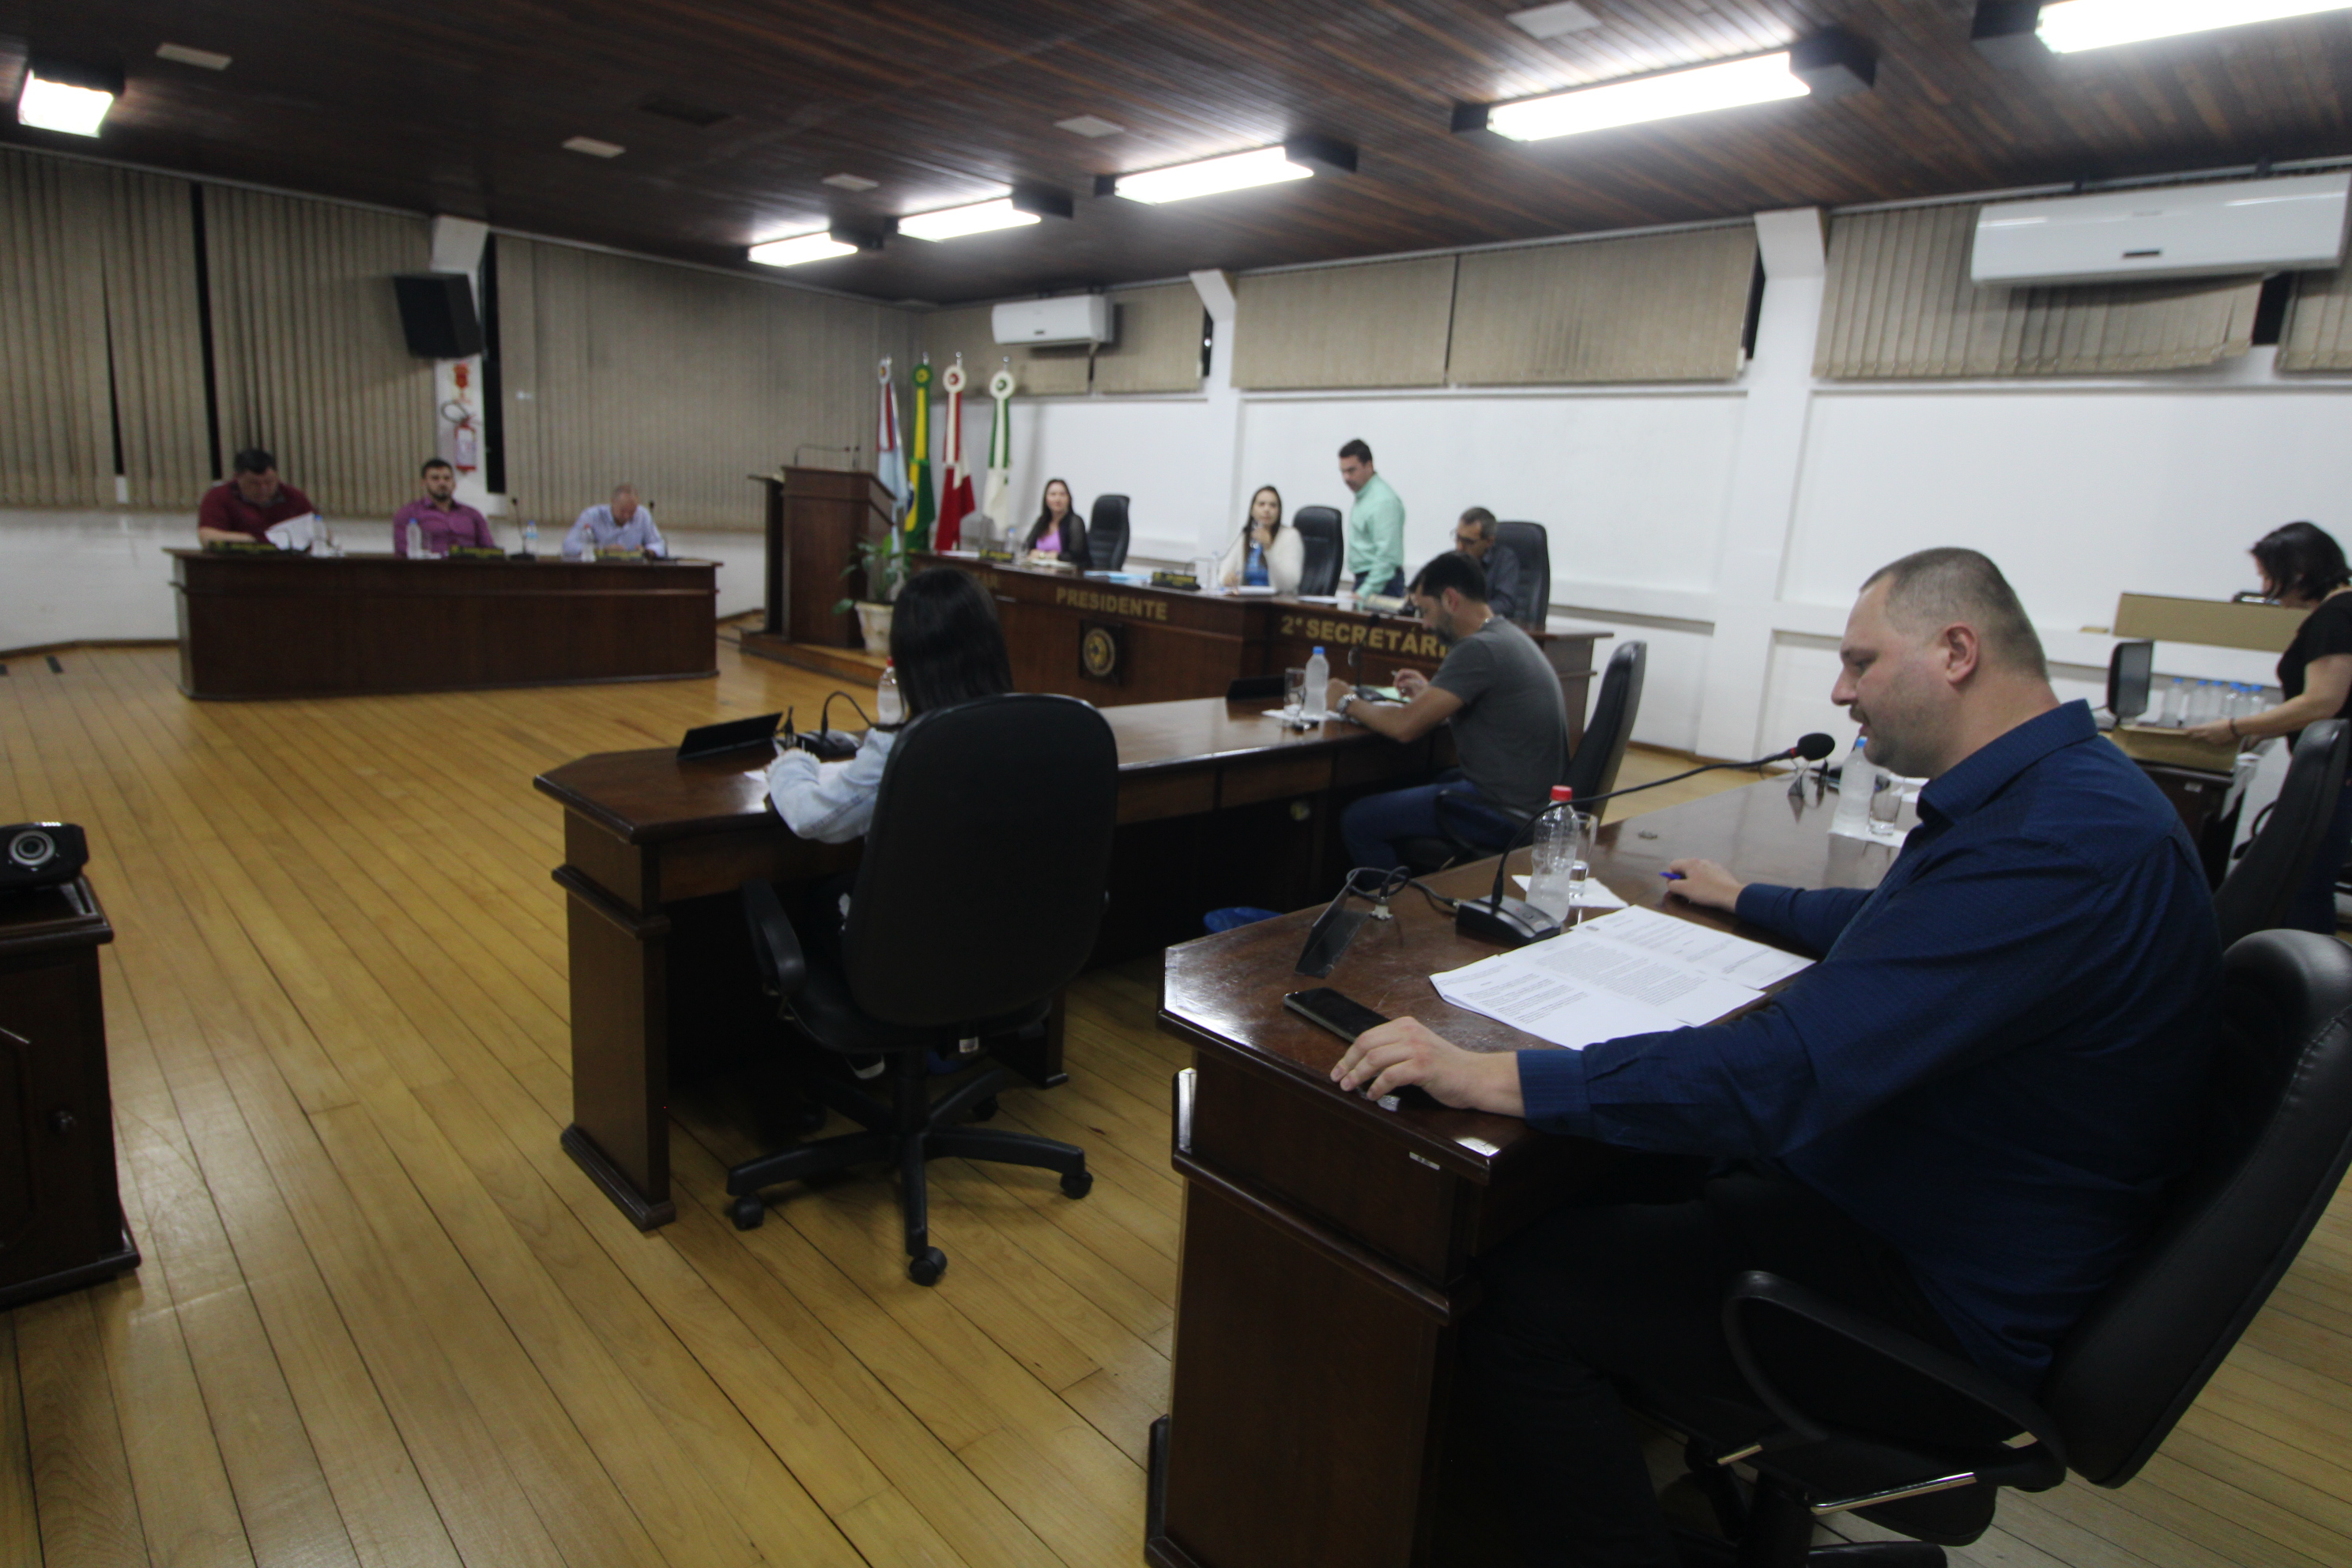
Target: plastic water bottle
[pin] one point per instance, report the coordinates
(1855, 782)
(531, 537)
(1559, 864)
(1318, 684)
(2175, 702)
(887, 709)
(415, 540)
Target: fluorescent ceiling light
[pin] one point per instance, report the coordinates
(593, 148)
(188, 56)
(50, 105)
(1758, 79)
(951, 223)
(2073, 24)
(800, 248)
(1234, 172)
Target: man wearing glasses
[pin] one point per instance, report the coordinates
(1475, 537)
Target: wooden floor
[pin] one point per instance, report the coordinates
(383, 1320)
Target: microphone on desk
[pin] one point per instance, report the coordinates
(1515, 922)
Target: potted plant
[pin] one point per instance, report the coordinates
(882, 565)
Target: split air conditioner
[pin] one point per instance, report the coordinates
(2286, 225)
(1072, 319)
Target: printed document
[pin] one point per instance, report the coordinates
(1635, 971)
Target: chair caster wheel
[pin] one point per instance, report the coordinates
(1078, 1183)
(925, 1266)
(747, 1212)
(981, 1110)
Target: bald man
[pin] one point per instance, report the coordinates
(622, 524)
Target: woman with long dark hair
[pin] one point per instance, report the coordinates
(2304, 568)
(1058, 531)
(1264, 555)
(947, 648)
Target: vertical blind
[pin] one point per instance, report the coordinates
(1899, 303)
(308, 354)
(681, 382)
(1381, 324)
(1664, 307)
(2317, 333)
(56, 443)
(155, 334)
(1159, 342)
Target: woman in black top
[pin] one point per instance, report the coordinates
(2303, 568)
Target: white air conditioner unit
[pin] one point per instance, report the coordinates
(1073, 318)
(2285, 225)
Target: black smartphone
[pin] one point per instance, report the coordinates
(1334, 1012)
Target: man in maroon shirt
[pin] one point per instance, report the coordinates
(252, 500)
(443, 522)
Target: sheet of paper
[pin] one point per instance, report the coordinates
(1547, 1003)
(1701, 948)
(1590, 894)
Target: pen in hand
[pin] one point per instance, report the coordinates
(1672, 876)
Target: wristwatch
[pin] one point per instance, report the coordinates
(1346, 702)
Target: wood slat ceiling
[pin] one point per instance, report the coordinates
(463, 110)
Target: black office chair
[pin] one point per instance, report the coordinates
(2256, 893)
(1531, 543)
(1320, 548)
(2275, 1146)
(1107, 534)
(2131, 667)
(958, 927)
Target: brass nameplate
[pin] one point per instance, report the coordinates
(1184, 580)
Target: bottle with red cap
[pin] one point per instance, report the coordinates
(1560, 856)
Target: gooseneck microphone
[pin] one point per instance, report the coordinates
(1515, 922)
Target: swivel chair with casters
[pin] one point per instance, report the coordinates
(2276, 1143)
(1531, 543)
(2259, 889)
(1107, 535)
(1320, 551)
(957, 929)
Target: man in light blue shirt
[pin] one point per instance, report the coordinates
(627, 523)
(1375, 526)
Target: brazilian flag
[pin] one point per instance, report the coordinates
(915, 528)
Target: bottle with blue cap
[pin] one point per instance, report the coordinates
(1318, 684)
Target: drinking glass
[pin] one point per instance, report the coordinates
(1294, 693)
(1885, 805)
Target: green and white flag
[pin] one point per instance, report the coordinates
(998, 502)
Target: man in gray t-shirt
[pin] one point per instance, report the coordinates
(1510, 724)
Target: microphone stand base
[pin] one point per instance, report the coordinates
(1514, 922)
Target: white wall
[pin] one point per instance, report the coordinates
(71, 576)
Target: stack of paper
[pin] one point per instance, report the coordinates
(1590, 894)
(1632, 973)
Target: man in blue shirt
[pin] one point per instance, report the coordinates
(625, 524)
(1960, 1120)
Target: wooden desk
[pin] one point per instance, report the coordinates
(287, 624)
(1327, 1243)
(655, 849)
(1170, 643)
(61, 1224)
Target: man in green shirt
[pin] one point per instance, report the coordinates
(1375, 526)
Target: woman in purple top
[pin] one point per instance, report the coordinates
(444, 522)
(1057, 531)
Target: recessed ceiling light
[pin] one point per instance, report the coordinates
(1209, 177)
(2073, 24)
(188, 56)
(1089, 125)
(800, 248)
(593, 148)
(979, 218)
(1551, 21)
(1758, 79)
(60, 95)
(849, 182)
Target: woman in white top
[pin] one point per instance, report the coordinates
(1265, 553)
(947, 648)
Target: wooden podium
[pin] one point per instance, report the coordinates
(815, 518)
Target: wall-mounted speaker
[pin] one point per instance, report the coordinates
(436, 313)
(41, 854)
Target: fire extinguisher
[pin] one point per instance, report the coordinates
(465, 437)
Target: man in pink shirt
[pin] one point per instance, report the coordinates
(444, 522)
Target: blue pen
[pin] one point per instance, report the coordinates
(1672, 876)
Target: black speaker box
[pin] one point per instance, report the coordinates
(41, 855)
(436, 313)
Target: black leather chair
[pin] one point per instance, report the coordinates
(1107, 534)
(1320, 548)
(2130, 668)
(2254, 896)
(956, 930)
(1531, 543)
(1592, 771)
(2276, 1144)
